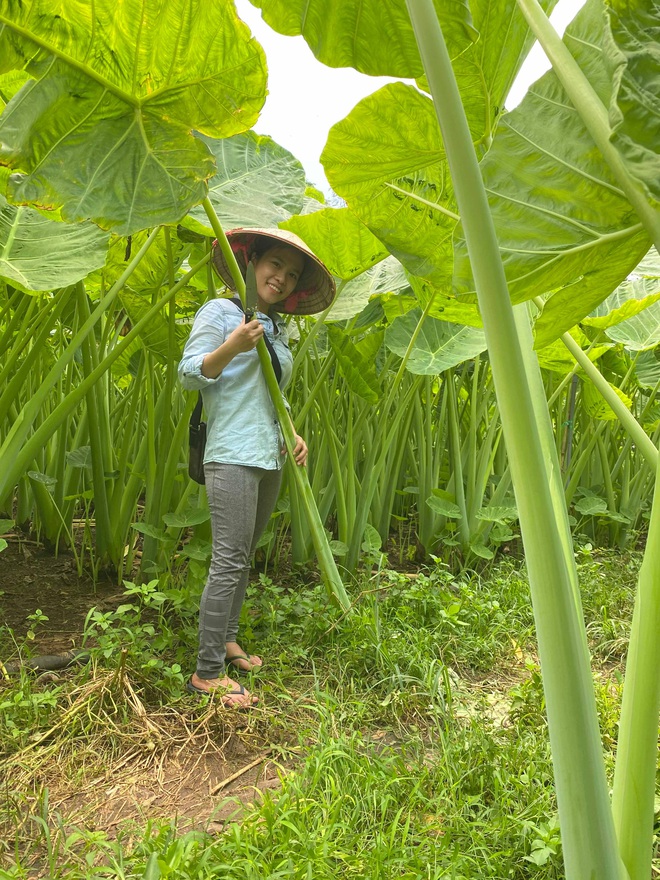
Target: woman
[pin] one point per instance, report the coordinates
(244, 448)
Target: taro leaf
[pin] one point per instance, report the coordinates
(311, 192)
(481, 550)
(632, 51)
(80, 457)
(562, 222)
(385, 277)
(150, 531)
(498, 514)
(155, 335)
(338, 238)
(372, 541)
(486, 70)
(3, 545)
(591, 505)
(359, 373)
(640, 332)
(10, 83)
(437, 347)
(370, 345)
(192, 517)
(386, 158)
(445, 308)
(556, 356)
(443, 506)
(196, 549)
(597, 407)
(45, 479)
(629, 299)
(647, 369)
(104, 128)
(152, 271)
(37, 254)
(258, 183)
(6, 525)
(338, 548)
(373, 36)
(650, 265)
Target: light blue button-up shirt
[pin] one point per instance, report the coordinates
(242, 426)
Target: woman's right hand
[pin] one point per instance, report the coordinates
(243, 338)
(246, 336)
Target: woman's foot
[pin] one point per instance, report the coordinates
(230, 693)
(237, 657)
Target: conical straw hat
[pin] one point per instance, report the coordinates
(316, 286)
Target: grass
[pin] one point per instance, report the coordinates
(410, 735)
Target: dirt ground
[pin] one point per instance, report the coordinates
(31, 579)
(198, 766)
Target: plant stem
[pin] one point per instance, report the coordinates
(588, 838)
(637, 749)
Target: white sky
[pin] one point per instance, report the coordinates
(306, 98)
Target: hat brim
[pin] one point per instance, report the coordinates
(315, 289)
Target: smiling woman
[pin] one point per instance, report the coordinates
(245, 448)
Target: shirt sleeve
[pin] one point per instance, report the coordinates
(208, 332)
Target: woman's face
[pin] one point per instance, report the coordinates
(277, 272)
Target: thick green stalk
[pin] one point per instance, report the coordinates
(103, 529)
(457, 462)
(588, 838)
(592, 112)
(637, 749)
(326, 560)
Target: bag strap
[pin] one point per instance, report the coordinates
(196, 416)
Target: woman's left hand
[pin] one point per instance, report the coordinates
(300, 451)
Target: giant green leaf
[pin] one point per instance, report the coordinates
(40, 254)
(338, 238)
(359, 373)
(151, 273)
(10, 83)
(385, 277)
(485, 71)
(631, 297)
(104, 128)
(386, 158)
(640, 332)
(563, 224)
(155, 335)
(632, 50)
(557, 357)
(438, 346)
(373, 36)
(444, 307)
(258, 183)
(595, 404)
(647, 369)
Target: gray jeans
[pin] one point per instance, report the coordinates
(241, 500)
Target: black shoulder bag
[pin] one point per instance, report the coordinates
(197, 428)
